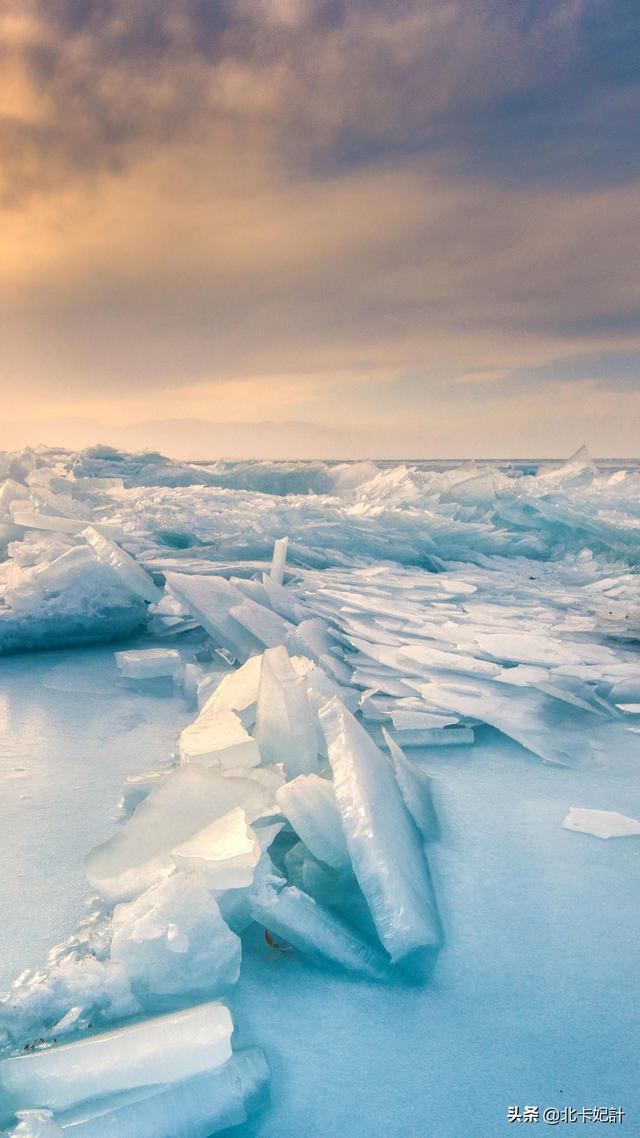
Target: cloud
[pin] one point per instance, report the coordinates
(253, 209)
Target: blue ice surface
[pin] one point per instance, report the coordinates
(531, 1001)
(68, 739)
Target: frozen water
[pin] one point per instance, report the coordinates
(225, 853)
(601, 823)
(130, 573)
(238, 692)
(149, 663)
(279, 559)
(492, 605)
(387, 856)
(218, 737)
(172, 940)
(285, 728)
(186, 801)
(317, 932)
(308, 802)
(415, 787)
(160, 1050)
(192, 1108)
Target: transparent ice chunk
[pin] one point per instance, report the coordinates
(601, 823)
(315, 930)
(224, 853)
(160, 1050)
(186, 801)
(285, 728)
(384, 844)
(172, 940)
(308, 802)
(218, 737)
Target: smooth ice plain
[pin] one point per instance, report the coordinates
(344, 793)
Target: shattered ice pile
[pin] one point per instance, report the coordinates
(407, 608)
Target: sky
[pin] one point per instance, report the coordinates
(321, 228)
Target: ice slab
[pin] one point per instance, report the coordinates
(279, 559)
(218, 737)
(127, 568)
(308, 802)
(601, 823)
(160, 1050)
(193, 1108)
(268, 628)
(210, 600)
(238, 691)
(225, 853)
(187, 800)
(148, 663)
(537, 721)
(415, 787)
(315, 930)
(285, 728)
(172, 940)
(384, 844)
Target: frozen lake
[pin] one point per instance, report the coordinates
(533, 999)
(492, 603)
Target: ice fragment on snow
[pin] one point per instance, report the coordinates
(148, 663)
(415, 787)
(384, 844)
(601, 823)
(238, 691)
(192, 1108)
(36, 1124)
(160, 1050)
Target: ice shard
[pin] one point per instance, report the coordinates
(160, 1050)
(315, 930)
(384, 844)
(535, 720)
(285, 729)
(308, 802)
(224, 853)
(172, 940)
(148, 663)
(415, 787)
(218, 737)
(127, 568)
(191, 1108)
(279, 560)
(210, 600)
(186, 801)
(238, 691)
(601, 823)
